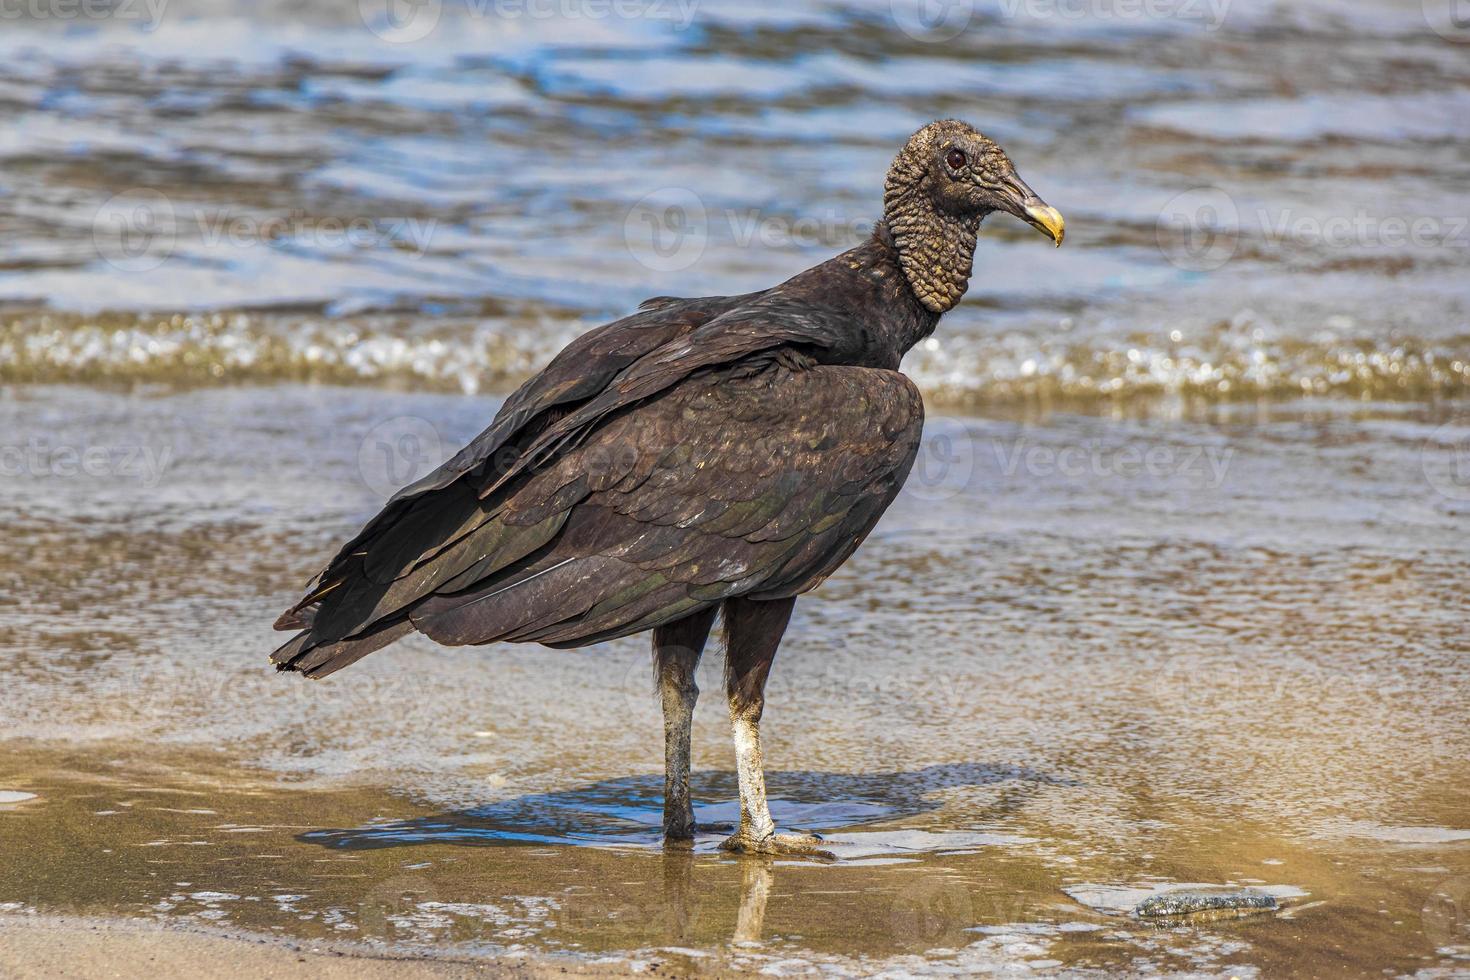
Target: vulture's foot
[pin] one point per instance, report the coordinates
(795, 845)
(684, 833)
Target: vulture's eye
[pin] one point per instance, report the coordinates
(955, 159)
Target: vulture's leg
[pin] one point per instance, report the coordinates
(676, 650)
(752, 632)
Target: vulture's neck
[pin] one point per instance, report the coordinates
(865, 294)
(892, 315)
(936, 252)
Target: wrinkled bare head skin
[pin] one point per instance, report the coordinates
(942, 184)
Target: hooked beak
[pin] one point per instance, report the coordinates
(1022, 201)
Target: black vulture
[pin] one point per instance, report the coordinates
(705, 454)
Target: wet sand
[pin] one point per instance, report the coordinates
(196, 846)
(1035, 697)
(58, 946)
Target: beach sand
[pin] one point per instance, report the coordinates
(82, 948)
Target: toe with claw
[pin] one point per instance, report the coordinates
(793, 845)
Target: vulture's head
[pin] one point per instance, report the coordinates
(948, 177)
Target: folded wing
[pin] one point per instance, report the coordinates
(757, 479)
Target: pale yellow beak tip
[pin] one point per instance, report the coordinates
(1048, 219)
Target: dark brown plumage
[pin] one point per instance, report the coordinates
(722, 451)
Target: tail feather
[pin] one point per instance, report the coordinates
(297, 618)
(300, 654)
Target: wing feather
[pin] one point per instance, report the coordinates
(759, 483)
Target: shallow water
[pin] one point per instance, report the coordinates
(1262, 197)
(1227, 650)
(1174, 597)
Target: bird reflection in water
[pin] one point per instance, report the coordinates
(680, 915)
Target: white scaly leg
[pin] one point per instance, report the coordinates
(752, 633)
